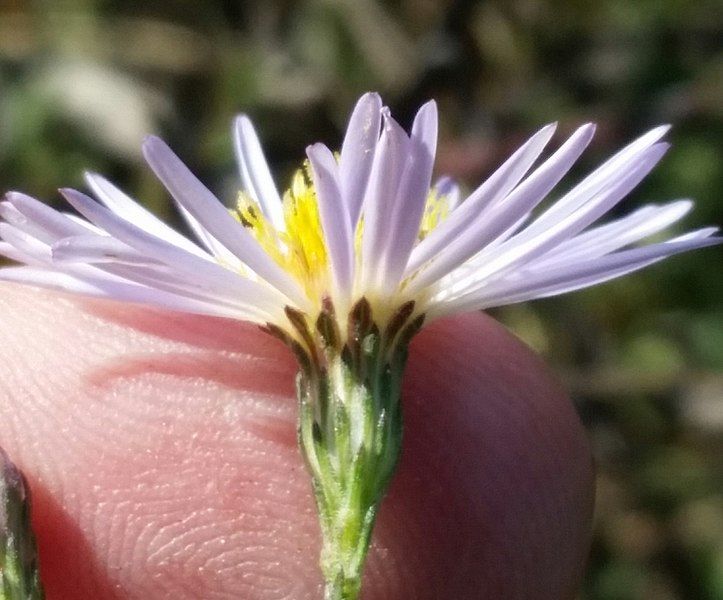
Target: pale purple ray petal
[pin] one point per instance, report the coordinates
(334, 219)
(503, 237)
(25, 242)
(159, 276)
(600, 178)
(574, 275)
(603, 239)
(96, 249)
(357, 153)
(127, 208)
(78, 220)
(411, 197)
(162, 278)
(48, 278)
(55, 224)
(487, 195)
(534, 242)
(9, 251)
(204, 272)
(212, 245)
(448, 188)
(205, 207)
(589, 245)
(390, 160)
(255, 174)
(17, 219)
(500, 217)
(118, 290)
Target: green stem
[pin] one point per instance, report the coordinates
(350, 424)
(342, 589)
(350, 433)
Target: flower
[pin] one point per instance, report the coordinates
(347, 265)
(363, 224)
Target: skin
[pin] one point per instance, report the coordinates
(160, 449)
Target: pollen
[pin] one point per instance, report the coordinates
(436, 210)
(299, 249)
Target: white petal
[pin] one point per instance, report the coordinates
(334, 218)
(96, 249)
(600, 178)
(574, 275)
(495, 188)
(117, 290)
(411, 198)
(607, 238)
(55, 224)
(497, 219)
(205, 207)
(127, 208)
(357, 153)
(390, 161)
(532, 242)
(203, 272)
(448, 188)
(255, 174)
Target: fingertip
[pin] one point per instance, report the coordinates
(495, 472)
(148, 429)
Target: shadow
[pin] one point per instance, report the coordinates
(68, 566)
(209, 333)
(235, 372)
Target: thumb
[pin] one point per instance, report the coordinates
(161, 452)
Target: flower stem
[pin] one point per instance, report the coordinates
(342, 589)
(350, 433)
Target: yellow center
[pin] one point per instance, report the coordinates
(436, 210)
(301, 250)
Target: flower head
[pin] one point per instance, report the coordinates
(346, 265)
(363, 224)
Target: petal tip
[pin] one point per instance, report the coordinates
(241, 120)
(92, 178)
(371, 97)
(71, 194)
(13, 196)
(152, 143)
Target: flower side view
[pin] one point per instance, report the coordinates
(347, 265)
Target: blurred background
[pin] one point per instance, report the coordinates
(82, 82)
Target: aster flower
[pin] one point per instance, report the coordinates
(347, 265)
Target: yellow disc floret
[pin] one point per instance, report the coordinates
(300, 249)
(435, 211)
(306, 249)
(250, 216)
